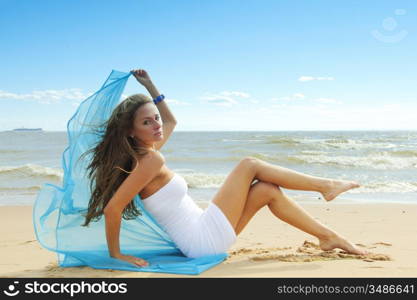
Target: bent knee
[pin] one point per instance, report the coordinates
(266, 189)
(249, 161)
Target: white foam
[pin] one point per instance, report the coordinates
(202, 180)
(386, 187)
(379, 162)
(32, 170)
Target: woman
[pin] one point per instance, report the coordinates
(134, 134)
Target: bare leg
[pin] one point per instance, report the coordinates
(289, 211)
(294, 180)
(233, 194)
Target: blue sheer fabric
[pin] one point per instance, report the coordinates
(58, 211)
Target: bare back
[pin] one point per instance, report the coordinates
(163, 177)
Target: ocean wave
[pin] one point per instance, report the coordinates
(377, 160)
(399, 153)
(203, 180)
(26, 177)
(334, 143)
(32, 170)
(392, 139)
(285, 141)
(33, 188)
(312, 152)
(380, 162)
(338, 141)
(386, 187)
(355, 144)
(265, 157)
(190, 159)
(232, 140)
(200, 180)
(6, 151)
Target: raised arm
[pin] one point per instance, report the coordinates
(166, 114)
(149, 167)
(168, 120)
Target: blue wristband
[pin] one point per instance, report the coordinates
(158, 99)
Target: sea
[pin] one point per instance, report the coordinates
(383, 162)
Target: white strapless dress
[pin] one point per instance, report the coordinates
(195, 231)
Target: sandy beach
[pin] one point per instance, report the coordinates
(267, 247)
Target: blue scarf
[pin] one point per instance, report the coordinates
(58, 211)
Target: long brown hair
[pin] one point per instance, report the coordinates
(114, 154)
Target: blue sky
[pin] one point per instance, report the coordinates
(222, 64)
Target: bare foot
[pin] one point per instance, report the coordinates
(336, 187)
(337, 241)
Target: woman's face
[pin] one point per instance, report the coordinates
(147, 124)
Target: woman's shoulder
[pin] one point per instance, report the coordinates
(152, 157)
(155, 154)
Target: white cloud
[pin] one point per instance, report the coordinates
(324, 78)
(59, 96)
(237, 94)
(292, 97)
(47, 96)
(298, 96)
(177, 102)
(327, 101)
(219, 100)
(226, 98)
(279, 106)
(322, 102)
(310, 78)
(263, 110)
(305, 78)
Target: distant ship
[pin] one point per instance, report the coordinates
(27, 129)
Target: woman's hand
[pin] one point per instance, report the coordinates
(142, 76)
(132, 259)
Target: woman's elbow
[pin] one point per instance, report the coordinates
(110, 210)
